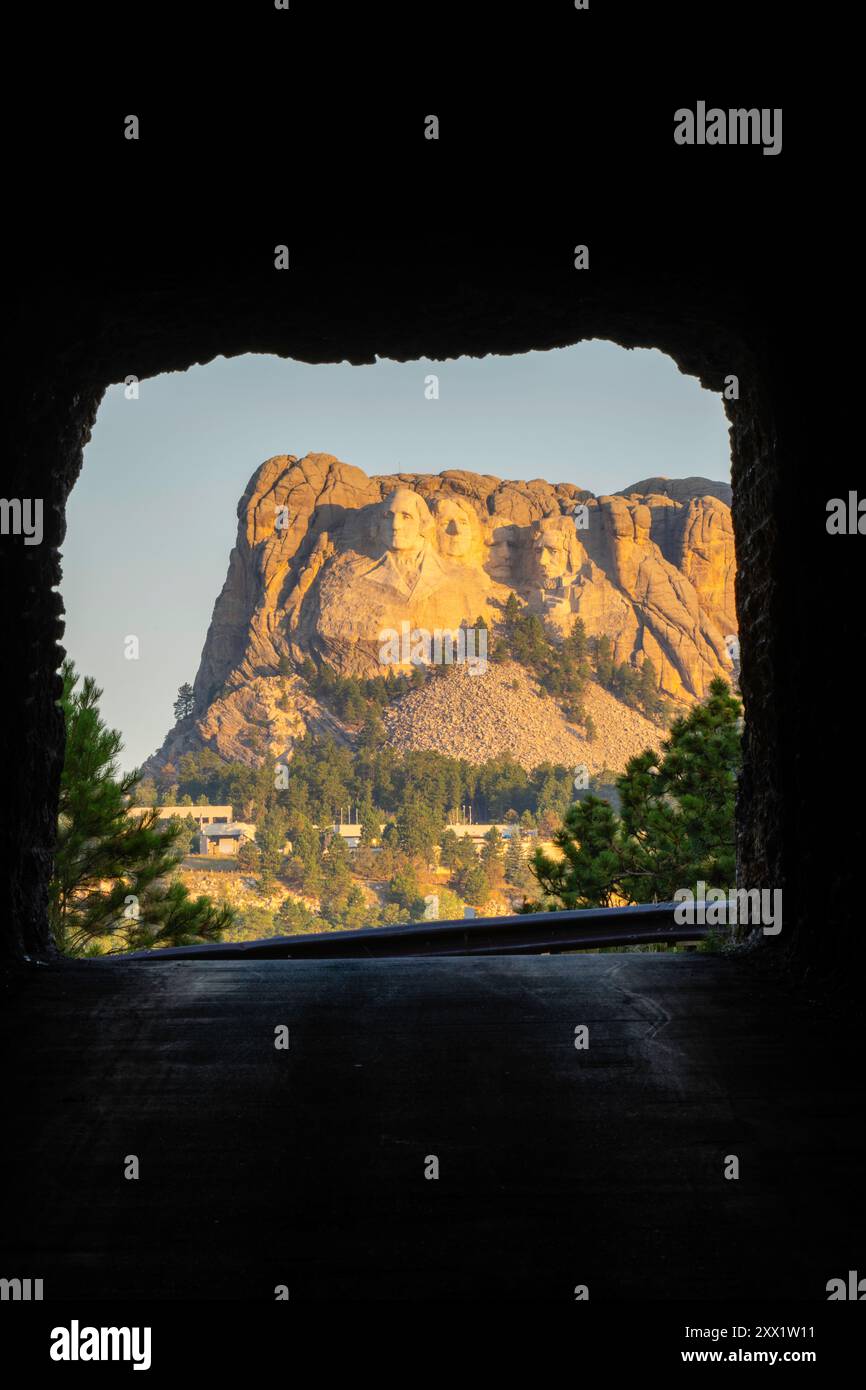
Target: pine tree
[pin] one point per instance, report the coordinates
(336, 867)
(591, 869)
(293, 916)
(511, 613)
(270, 839)
(678, 805)
(474, 884)
(307, 852)
(349, 911)
(465, 854)
(448, 849)
(370, 823)
(648, 690)
(372, 734)
(113, 873)
(492, 848)
(417, 829)
(184, 704)
(517, 871)
(355, 707)
(513, 858)
(450, 906)
(604, 660)
(677, 820)
(576, 644)
(405, 891)
(187, 833)
(249, 857)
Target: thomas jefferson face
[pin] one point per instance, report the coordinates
(401, 520)
(455, 530)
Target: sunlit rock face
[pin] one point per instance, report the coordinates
(684, 640)
(459, 535)
(395, 562)
(329, 560)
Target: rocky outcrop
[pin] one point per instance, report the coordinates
(262, 717)
(328, 562)
(504, 711)
(665, 618)
(680, 489)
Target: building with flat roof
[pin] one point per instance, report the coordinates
(478, 829)
(223, 840)
(202, 815)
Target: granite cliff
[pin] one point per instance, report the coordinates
(328, 561)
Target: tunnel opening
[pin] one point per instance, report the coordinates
(711, 338)
(436, 759)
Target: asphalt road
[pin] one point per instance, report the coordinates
(305, 1167)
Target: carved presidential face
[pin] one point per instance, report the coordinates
(457, 529)
(550, 552)
(403, 521)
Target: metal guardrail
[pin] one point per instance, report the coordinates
(534, 934)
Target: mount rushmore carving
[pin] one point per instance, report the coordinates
(327, 558)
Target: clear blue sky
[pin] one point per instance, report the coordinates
(152, 519)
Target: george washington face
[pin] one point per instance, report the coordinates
(402, 520)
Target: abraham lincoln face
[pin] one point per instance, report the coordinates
(550, 551)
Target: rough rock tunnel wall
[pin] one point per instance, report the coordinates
(74, 335)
